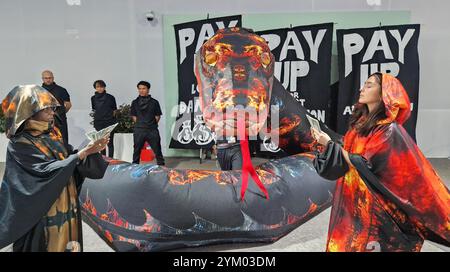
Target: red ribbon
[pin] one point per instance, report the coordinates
(247, 166)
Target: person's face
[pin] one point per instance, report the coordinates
(99, 88)
(45, 115)
(143, 90)
(371, 91)
(47, 78)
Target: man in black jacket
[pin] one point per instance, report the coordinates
(104, 107)
(63, 98)
(146, 113)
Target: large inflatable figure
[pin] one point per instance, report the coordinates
(149, 207)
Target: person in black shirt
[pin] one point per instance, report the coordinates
(104, 107)
(146, 113)
(63, 98)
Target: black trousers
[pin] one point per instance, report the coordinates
(230, 158)
(99, 125)
(151, 136)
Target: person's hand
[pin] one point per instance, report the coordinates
(93, 147)
(321, 137)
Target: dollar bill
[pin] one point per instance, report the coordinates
(96, 135)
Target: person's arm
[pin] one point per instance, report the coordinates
(93, 147)
(66, 98)
(133, 112)
(114, 106)
(67, 105)
(323, 139)
(158, 112)
(346, 156)
(92, 104)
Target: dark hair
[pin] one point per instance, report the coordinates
(99, 82)
(364, 121)
(145, 83)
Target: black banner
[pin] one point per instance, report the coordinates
(387, 49)
(189, 131)
(303, 66)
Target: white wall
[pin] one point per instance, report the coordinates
(111, 40)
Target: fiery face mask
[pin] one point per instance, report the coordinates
(234, 71)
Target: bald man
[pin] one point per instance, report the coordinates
(63, 98)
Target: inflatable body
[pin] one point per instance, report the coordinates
(149, 208)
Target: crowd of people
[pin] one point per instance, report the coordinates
(145, 112)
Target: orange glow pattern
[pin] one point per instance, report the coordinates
(112, 216)
(294, 135)
(183, 177)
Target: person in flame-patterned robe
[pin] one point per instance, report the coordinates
(39, 208)
(388, 196)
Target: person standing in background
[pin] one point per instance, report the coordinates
(105, 108)
(63, 98)
(146, 113)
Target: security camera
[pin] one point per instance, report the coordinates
(150, 16)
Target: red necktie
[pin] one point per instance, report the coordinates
(247, 166)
